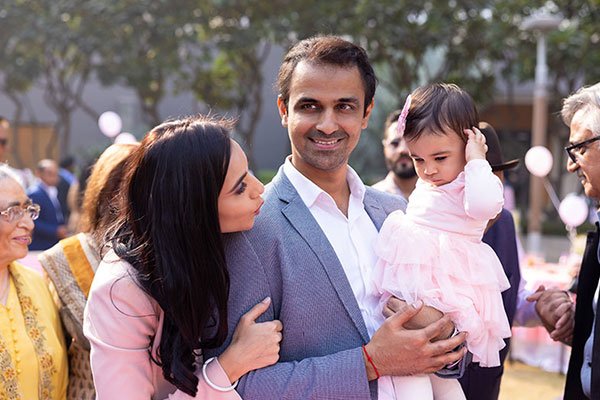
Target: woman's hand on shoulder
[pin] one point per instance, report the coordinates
(476, 147)
(254, 344)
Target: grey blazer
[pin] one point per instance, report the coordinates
(286, 256)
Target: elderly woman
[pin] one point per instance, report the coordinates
(33, 359)
(72, 262)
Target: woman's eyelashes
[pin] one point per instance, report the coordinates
(241, 188)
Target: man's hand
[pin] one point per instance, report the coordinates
(557, 312)
(423, 318)
(397, 351)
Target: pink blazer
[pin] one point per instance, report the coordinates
(122, 322)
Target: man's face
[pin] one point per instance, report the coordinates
(397, 157)
(3, 143)
(587, 166)
(324, 117)
(49, 175)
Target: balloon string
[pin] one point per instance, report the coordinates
(551, 193)
(571, 231)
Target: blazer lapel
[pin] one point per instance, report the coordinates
(307, 227)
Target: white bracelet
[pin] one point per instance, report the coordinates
(211, 384)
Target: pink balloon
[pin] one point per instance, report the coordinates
(125, 138)
(110, 124)
(538, 161)
(573, 210)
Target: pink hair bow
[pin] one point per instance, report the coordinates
(402, 118)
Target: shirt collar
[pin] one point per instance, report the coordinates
(309, 192)
(48, 189)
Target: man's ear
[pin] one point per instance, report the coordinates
(282, 111)
(365, 121)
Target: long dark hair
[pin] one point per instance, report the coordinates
(169, 232)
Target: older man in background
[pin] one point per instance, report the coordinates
(581, 113)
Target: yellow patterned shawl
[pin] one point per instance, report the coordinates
(70, 265)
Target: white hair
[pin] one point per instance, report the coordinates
(6, 172)
(587, 98)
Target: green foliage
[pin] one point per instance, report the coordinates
(266, 175)
(217, 49)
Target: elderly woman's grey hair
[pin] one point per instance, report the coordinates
(7, 172)
(587, 98)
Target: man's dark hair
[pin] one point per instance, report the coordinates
(327, 50)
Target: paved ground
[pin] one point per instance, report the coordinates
(522, 382)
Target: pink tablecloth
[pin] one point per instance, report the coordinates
(533, 346)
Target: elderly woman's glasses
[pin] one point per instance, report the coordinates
(15, 213)
(576, 149)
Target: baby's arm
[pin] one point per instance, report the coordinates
(484, 194)
(423, 318)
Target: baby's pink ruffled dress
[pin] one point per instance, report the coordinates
(434, 253)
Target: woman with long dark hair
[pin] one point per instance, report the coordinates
(165, 282)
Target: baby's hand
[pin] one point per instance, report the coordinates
(476, 147)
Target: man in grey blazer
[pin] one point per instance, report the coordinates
(311, 249)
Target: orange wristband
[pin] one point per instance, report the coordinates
(370, 360)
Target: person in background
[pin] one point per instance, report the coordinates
(402, 177)
(66, 181)
(72, 262)
(76, 193)
(581, 113)
(484, 383)
(33, 358)
(24, 176)
(67, 169)
(4, 140)
(159, 298)
(50, 226)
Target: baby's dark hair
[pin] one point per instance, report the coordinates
(438, 107)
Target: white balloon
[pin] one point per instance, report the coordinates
(573, 210)
(538, 161)
(110, 124)
(125, 138)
